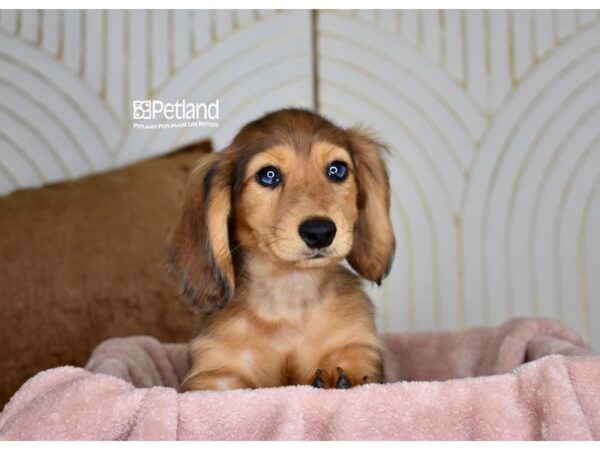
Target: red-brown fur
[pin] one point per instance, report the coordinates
(269, 314)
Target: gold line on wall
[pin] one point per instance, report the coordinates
(442, 21)
(127, 78)
(83, 39)
(465, 58)
(420, 29)
(149, 53)
(532, 34)
(61, 35)
(488, 61)
(511, 48)
(460, 270)
(18, 22)
(171, 41)
(191, 43)
(104, 37)
(583, 285)
(38, 31)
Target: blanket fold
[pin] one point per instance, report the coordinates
(526, 379)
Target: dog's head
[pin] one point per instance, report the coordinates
(293, 187)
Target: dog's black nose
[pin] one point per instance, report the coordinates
(317, 233)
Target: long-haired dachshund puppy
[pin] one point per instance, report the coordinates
(258, 246)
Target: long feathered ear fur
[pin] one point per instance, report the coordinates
(199, 253)
(374, 243)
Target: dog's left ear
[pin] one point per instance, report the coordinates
(374, 243)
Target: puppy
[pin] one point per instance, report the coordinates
(257, 249)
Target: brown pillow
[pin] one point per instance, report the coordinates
(83, 261)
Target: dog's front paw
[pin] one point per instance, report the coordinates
(336, 378)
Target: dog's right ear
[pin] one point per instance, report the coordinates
(198, 249)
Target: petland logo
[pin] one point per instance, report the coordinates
(154, 114)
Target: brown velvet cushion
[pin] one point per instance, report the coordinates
(83, 261)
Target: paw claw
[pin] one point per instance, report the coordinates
(343, 381)
(318, 381)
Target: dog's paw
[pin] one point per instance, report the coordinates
(336, 378)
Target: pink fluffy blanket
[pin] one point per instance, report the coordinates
(482, 383)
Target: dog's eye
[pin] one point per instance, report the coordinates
(337, 171)
(268, 176)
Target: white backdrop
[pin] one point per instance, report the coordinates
(492, 117)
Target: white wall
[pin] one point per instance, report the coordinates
(492, 118)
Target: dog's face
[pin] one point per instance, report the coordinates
(293, 187)
(298, 205)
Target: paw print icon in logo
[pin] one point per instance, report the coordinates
(142, 109)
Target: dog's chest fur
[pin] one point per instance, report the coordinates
(290, 297)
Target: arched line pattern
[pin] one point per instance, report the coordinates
(517, 124)
(24, 125)
(536, 60)
(257, 77)
(585, 301)
(550, 165)
(32, 164)
(558, 52)
(408, 237)
(460, 270)
(236, 48)
(434, 232)
(8, 175)
(423, 116)
(410, 257)
(415, 48)
(194, 52)
(206, 73)
(440, 86)
(584, 157)
(247, 98)
(420, 144)
(55, 120)
(531, 149)
(78, 94)
(47, 99)
(514, 142)
(345, 55)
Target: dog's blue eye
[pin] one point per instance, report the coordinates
(337, 171)
(268, 176)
